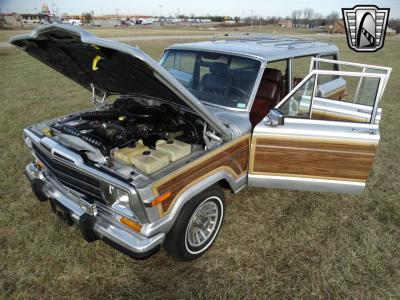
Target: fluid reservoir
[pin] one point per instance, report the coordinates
(173, 148)
(150, 161)
(126, 154)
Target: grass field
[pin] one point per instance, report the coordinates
(274, 243)
(118, 32)
(168, 30)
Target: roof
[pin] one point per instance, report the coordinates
(264, 47)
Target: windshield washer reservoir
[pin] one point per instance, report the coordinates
(173, 148)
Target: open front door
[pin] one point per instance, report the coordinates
(322, 144)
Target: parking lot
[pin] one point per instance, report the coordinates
(273, 243)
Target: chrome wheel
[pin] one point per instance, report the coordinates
(197, 225)
(202, 224)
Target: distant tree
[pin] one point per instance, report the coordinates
(218, 19)
(395, 24)
(86, 17)
(318, 19)
(332, 17)
(296, 15)
(308, 14)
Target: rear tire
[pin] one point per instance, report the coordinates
(197, 225)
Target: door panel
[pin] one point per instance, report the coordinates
(312, 155)
(298, 156)
(323, 144)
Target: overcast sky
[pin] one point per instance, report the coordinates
(241, 8)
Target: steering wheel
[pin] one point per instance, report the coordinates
(234, 88)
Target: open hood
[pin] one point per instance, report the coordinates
(112, 68)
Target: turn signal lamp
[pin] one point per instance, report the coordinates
(161, 198)
(130, 223)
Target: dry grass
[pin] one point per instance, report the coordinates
(275, 244)
(110, 32)
(168, 30)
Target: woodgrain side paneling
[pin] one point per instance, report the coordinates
(340, 160)
(233, 157)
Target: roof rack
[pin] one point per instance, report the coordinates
(273, 40)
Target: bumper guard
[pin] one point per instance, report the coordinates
(103, 225)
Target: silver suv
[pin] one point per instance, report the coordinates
(147, 164)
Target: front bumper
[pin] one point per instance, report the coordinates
(103, 225)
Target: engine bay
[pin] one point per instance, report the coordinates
(148, 135)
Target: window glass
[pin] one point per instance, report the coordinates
(367, 87)
(352, 100)
(181, 66)
(298, 105)
(281, 65)
(338, 89)
(216, 78)
(242, 64)
(301, 67)
(353, 89)
(328, 67)
(358, 96)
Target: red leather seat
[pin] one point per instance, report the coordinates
(268, 95)
(296, 81)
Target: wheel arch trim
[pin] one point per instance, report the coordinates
(187, 193)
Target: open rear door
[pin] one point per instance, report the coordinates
(323, 144)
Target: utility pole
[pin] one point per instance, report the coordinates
(251, 20)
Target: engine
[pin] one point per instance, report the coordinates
(127, 124)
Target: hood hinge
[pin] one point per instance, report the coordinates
(210, 138)
(97, 102)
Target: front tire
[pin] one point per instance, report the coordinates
(197, 225)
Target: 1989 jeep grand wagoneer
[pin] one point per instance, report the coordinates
(145, 168)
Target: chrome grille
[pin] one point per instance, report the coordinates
(71, 178)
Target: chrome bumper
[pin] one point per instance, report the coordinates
(104, 225)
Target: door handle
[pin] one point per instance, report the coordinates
(369, 131)
(364, 111)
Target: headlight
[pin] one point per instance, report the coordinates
(115, 197)
(120, 200)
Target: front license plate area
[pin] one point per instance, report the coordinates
(61, 211)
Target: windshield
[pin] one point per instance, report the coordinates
(221, 79)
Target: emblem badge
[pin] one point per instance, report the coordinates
(365, 27)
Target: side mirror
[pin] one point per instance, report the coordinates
(275, 117)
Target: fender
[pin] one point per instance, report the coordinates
(211, 178)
